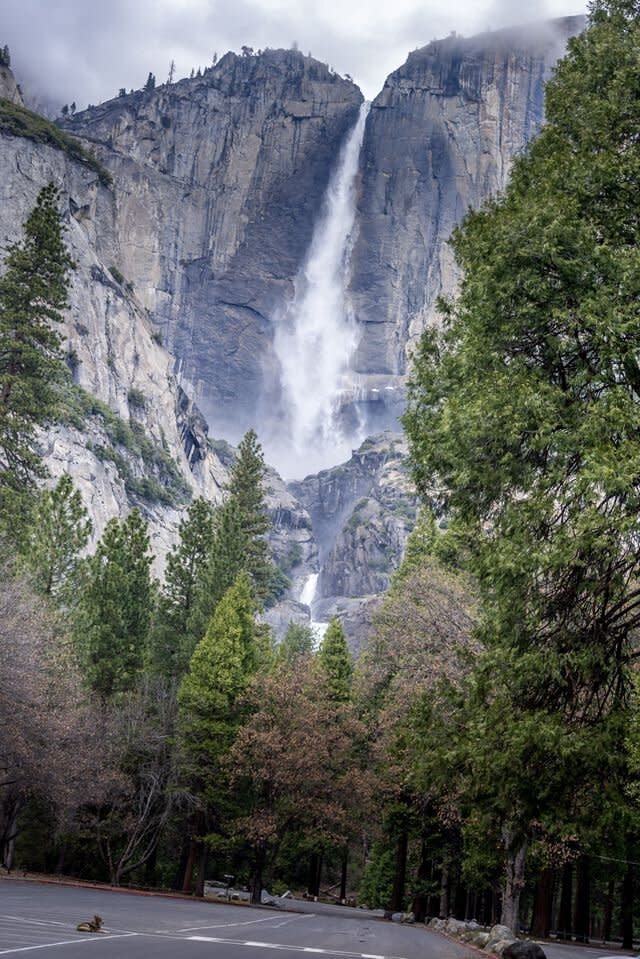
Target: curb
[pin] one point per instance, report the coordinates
(105, 887)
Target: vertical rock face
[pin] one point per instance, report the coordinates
(9, 89)
(440, 138)
(132, 438)
(219, 180)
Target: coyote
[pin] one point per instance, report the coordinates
(94, 925)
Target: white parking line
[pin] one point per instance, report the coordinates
(230, 925)
(68, 942)
(287, 948)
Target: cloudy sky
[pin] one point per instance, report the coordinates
(85, 50)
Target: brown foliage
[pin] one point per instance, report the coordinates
(47, 747)
(298, 758)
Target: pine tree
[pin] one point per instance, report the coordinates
(59, 531)
(239, 542)
(298, 643)
(33, 296)
(116, 607)
(336, 663)
(174, 639)
(150, 83)
(211, 706)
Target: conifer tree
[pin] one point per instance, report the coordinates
(211, 707)
(33, 296)
(524, 416)
(239, 542)
(58, 532)
(116, 606)
(336, 663)
(174, 639)
(298, 643)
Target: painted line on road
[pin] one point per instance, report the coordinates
(288, 948)
(69, 942)
(36, 922)
(247, 922)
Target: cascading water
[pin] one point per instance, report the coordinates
(315, 335)
(307, 596)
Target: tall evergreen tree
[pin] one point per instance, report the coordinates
(336, 663)
(211, 706)
(524, 414)
(33, 296)
(239, 542)
(174, 639)
(116, 607)
(59, 531)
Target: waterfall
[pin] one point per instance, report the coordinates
(315, 335)
(307, 596)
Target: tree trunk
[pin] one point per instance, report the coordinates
(542, 906)
(582, 913)
(566, 894)
(626, 909)
(315, 874)
(202, 868)
(256, 876)
(188, 869)
(343, 874)
(515, 860)
(399, 872)
(444, 891)
(608, 911)
(419, 904)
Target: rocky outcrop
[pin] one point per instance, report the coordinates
(440, 138)
(129, 436)
(362, 513)
(219, 181)
(9, 89)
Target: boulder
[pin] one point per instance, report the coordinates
(499, 947)
(524, 950)
(497, 934)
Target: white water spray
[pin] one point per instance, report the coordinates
(315, 336)
(307, 596)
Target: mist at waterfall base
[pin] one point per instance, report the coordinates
(316, 336)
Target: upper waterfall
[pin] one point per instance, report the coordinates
(315, 335)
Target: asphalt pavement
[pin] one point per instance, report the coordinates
(40, 918)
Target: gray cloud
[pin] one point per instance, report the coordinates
(85, 50)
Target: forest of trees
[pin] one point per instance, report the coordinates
(482, 757)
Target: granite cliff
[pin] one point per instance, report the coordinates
(189, 234)
(220, 180)
(441, 137)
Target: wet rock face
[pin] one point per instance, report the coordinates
(219, 181)
(441, 137)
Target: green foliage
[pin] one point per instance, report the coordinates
(239, 542)
(137, 399)
(210, 698)
(115, 607)
(165, 484)
(117, 275)
(5, 56)
(59, 532)
(174, 639)
(17, 121)
(336, 663)
(524, 416)
(377, 883)
(298, 642)
(33, 296)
